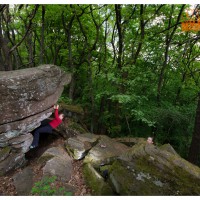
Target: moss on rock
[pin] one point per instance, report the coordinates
(4, 153)
(96, 182)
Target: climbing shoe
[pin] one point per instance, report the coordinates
(32, 147)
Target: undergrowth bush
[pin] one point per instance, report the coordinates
(47, 187)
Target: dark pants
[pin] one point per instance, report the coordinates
(42, 129)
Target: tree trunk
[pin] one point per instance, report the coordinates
(194, 151)
(119, 28)
(68, 34)
(168, 40)
(30, 49)
(42, 37)
(142, 25)
(5, 51)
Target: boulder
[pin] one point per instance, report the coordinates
(106, 149)
(148, 170)
(57, 163)
(58, 167)
(51, 153)
(27, 98)
(13, 161)
(26, 93)
(169, 148)
(143, 169)
(78, 146)
(23, 181)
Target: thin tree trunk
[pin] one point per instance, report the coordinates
(142, 24)
(194, 151)
(168, 40)
(68, 34)
(30, 49)
(42, 36)
(119, 28)
(6, 56)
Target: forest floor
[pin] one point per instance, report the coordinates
(77, 182)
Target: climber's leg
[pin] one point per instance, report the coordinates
(43, 129)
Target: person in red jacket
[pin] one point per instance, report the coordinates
(48, 128)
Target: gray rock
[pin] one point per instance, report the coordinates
(78, 146)
(56, 162)
(30, 91)
(27, 98)
(163, 171)
(169, 148)
(13, 161)
(105, 149)
(23, 181)
(59, 167)
(141, 170)
(22, 142)
(24, 126)
(53, 152)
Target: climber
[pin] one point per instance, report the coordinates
(47, 128)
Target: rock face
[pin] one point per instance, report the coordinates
(27, 98)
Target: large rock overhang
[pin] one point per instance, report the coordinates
(27, 97)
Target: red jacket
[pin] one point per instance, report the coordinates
(55, 122)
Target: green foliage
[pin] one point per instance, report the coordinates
(46, 187)
(118, 101)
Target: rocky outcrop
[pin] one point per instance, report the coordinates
(144, 169)
(27, 98)
(106, 149)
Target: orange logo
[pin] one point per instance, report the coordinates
(191, 20)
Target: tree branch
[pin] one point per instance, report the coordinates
(27, 30)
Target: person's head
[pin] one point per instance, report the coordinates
(150, 140)
(61, 116)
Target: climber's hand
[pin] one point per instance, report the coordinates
(56, 106)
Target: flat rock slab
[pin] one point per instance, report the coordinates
(58, 167)
(23, 181)
(56, 162)
(53, 152)
(106, 148)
